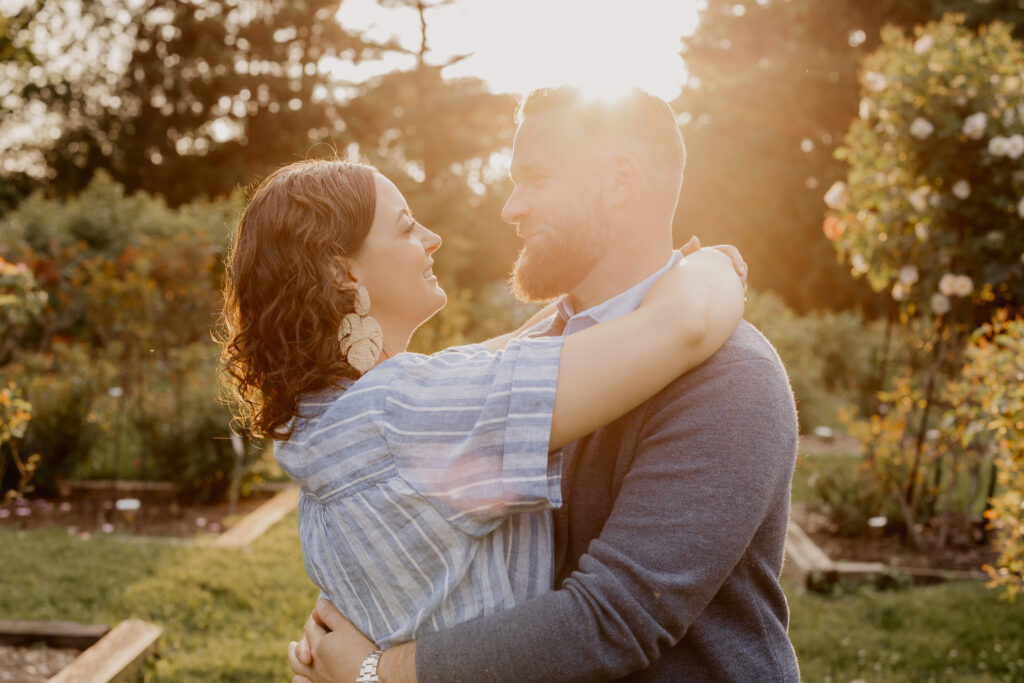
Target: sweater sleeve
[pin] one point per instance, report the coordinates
(715, 452)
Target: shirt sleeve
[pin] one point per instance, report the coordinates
(469, 429)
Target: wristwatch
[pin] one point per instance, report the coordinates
(368, 669)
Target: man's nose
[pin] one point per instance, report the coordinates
(515, 207)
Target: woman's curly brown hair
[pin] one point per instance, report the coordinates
(284, 297)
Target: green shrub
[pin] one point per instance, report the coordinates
(62, 386)
(847, 496)
(831, 358)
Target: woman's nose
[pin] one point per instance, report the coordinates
(431, 241)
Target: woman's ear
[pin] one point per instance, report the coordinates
(344, 271)
(622, 177)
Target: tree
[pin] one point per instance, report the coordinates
(773, 89)
(184, 98)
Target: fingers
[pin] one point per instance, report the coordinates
(312, 633)
(304, 652)
(692, 245)
(328, 616)
(298, 668)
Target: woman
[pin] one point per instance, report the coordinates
(415, 468)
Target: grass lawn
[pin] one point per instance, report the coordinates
(228, 616)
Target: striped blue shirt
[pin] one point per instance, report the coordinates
(411, 480)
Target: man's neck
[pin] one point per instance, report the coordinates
(616, 273)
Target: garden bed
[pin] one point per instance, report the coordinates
(33, 664)
(968, 550)
(135, 508)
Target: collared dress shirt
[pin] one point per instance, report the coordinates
(413, 480)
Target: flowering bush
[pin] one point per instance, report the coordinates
(990, 406)
(116, 357)
(933, 203)
(20, 303)
(931, 212)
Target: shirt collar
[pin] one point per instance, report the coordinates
(618, 305)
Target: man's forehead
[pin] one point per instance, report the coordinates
(548, 137)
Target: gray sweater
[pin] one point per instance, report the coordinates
(669, 550)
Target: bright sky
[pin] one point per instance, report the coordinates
(517, 45)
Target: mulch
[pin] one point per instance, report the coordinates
(87, 513)
(33, 664)
(967, 550)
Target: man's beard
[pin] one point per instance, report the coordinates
(563, 255)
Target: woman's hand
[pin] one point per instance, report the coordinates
(331, 649)
(738, 264)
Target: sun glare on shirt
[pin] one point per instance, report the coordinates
(602, 46)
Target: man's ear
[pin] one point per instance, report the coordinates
(622, 179)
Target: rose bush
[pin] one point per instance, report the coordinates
(931, 213)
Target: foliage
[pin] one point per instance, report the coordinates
(178, 97)
(15, 413)
(20, 302)
(930, 214)
(772, 91)
(931, 210)
(61, 385)
(831, 358)
(847, 498)
(989, 406)
(118, 363)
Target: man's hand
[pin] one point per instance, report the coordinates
(693, 244)
(331, 649)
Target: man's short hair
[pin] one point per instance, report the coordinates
(644, 123)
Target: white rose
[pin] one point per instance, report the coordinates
(998, 146)
(1020, 207)
(919, 198)
(921, 230)
(940, 304)
(921, 128)
(859, 263)
(864, 108)
(875, 81)
(836, 196)
(909, 275)
(946, 283)
(1015, 146)
(923, 44)
(963, 285)
(898, 292)
(974, 125)
(1009, 117)
(962, 189)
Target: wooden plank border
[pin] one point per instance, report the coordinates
(250, 527)
(115, 657)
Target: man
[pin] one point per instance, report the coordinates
(669, 548)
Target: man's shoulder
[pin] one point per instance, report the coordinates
(746, 366)
(746, 344)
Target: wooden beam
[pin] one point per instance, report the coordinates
(259, 520)
(59, 634)
(114, 658)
